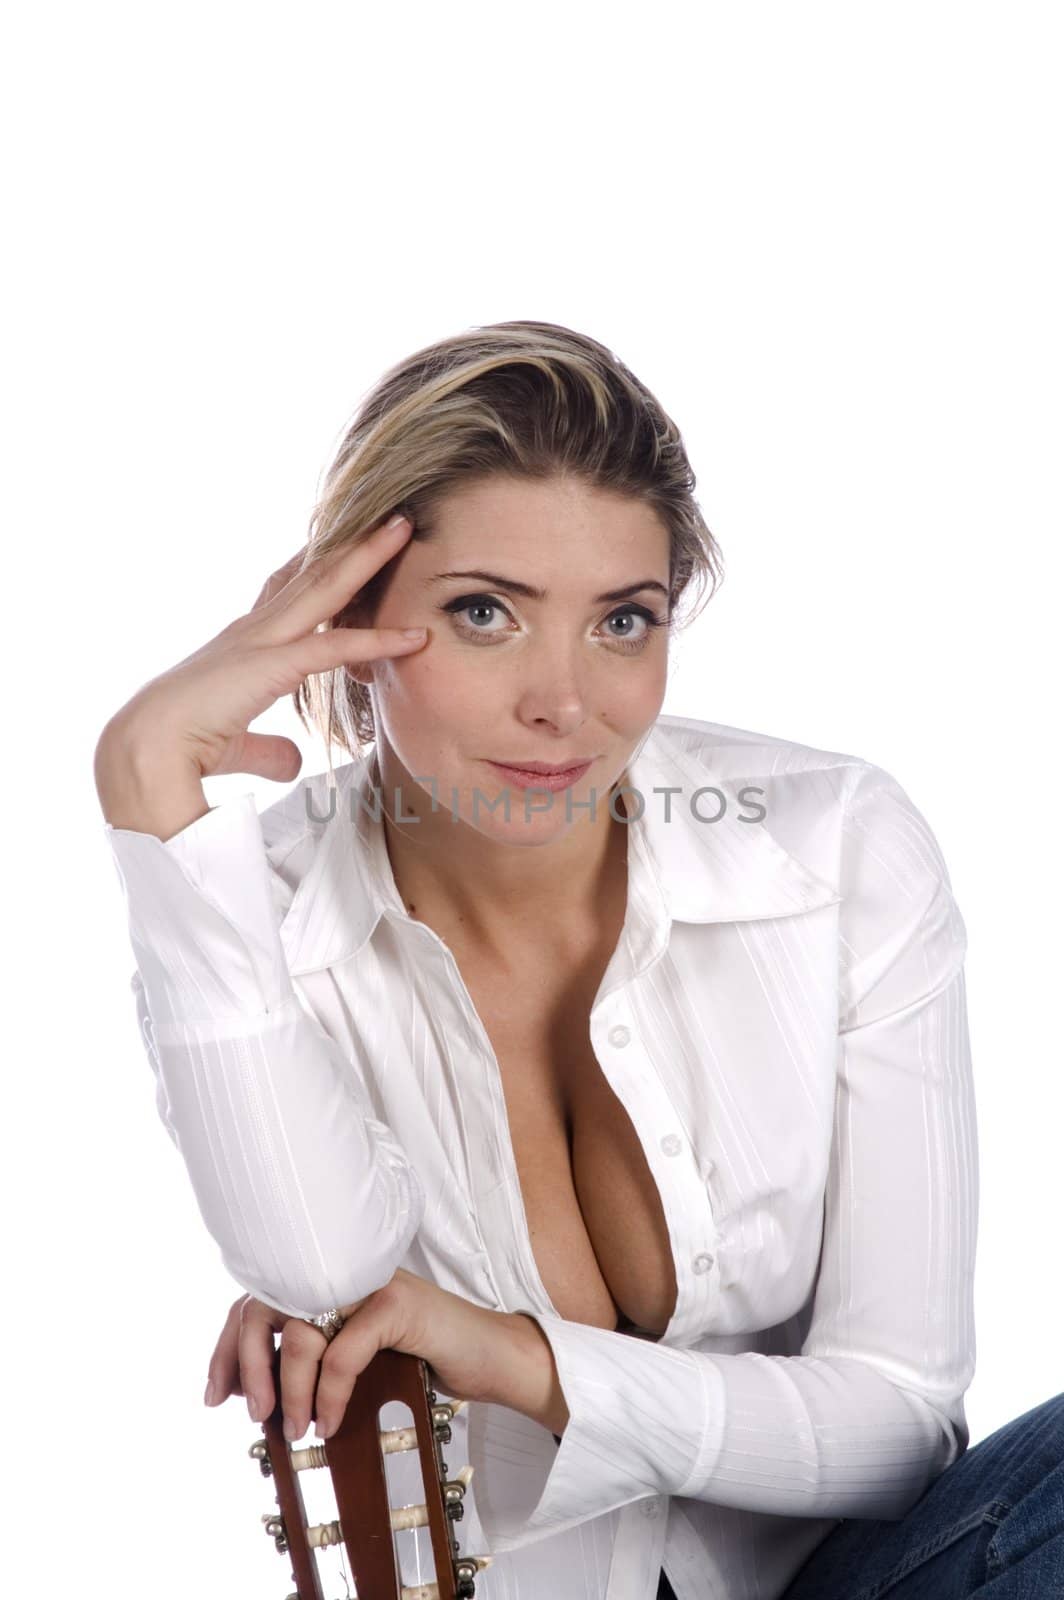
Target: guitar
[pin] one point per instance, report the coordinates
(366, 1522)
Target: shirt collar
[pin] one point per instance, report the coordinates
(703, 871)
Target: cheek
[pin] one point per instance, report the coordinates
(430, 691)
(637, 698)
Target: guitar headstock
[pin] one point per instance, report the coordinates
(367, 1523)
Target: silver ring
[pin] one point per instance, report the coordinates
(329, 1323)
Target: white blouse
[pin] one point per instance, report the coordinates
(784, 1021)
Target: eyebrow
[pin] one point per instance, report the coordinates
(530, 592)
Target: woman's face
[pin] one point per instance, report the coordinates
(508, 677)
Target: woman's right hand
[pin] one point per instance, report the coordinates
(199, 710)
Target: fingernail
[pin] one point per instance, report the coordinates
(254, 1408)
(290, 1429)
(393, 523)
(208, 1393)
(413, 633)
(322, 1429)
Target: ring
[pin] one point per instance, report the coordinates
(329, 1323)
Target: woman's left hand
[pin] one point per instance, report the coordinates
(474, 1354)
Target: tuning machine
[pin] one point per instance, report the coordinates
(273, 1523)
(366, 1521)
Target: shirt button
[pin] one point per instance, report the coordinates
(672, 1144)
(701, 1263)
(619, 1035)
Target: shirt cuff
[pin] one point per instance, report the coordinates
(802, 1436)
(643, 1418)
(203, 922)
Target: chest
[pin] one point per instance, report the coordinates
(531, 1164)
(593, 1211)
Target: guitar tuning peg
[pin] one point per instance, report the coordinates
(308, 1458)
(443, 1415)
(275, 1528)
(465, 1570)
(446, 1410)
(260, 1452)
(454, 1493)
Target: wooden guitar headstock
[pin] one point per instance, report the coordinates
(366, 1522)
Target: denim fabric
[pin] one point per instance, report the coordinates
(991, 1527)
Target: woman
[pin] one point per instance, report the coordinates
(636, 1099)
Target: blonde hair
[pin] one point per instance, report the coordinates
(526, 400)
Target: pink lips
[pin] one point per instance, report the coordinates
(526, 779)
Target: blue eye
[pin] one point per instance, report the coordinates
(478, 603)
(488, 603)
(631, 611)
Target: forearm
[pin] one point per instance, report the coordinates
(309, 1196)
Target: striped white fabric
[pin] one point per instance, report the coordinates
(784, 1021)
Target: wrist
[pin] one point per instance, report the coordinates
(145, 786)
(536, 1389)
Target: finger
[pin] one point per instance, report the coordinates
(375, 1326)
(341, 647)
(301, 1352)
(267, 755)
(255, 1353)
(277, 580)
(328, 584)
(223, 1369)
(264, 676)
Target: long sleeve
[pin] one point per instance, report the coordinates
(870, 1412)
(309, 1197)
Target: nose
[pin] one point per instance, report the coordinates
(551, 690)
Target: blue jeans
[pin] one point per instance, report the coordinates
(991, 1527)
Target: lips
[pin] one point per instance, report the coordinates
(545, 767)
(543, 775)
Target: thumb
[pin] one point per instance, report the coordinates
(265, 755)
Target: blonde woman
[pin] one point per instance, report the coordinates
(614, 1063)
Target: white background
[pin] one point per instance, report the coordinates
(828, 236)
